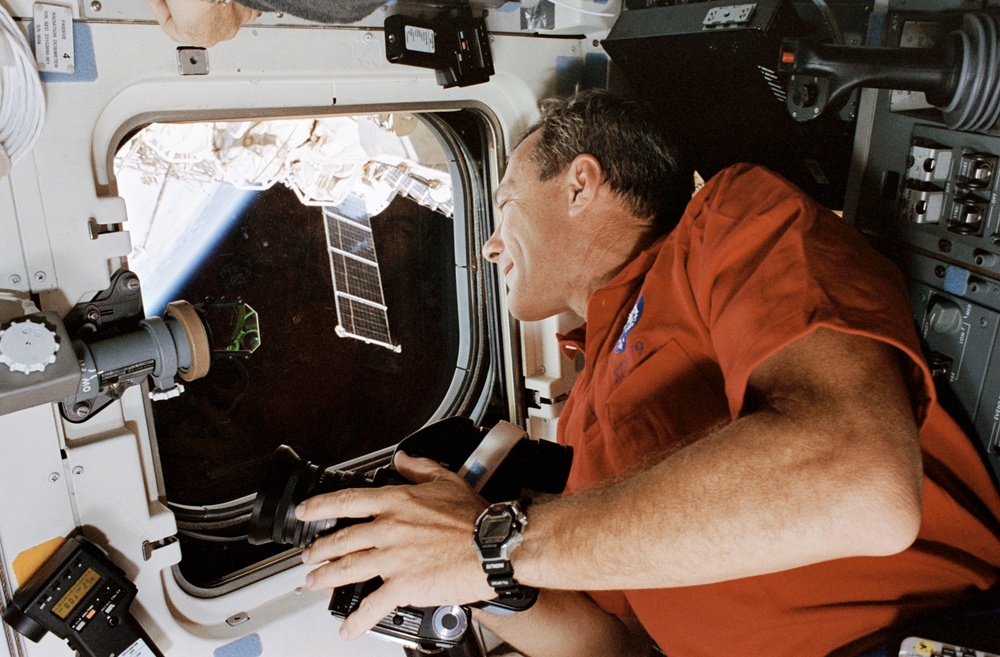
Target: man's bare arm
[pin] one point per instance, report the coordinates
(568, 624)
(198, 22)
(826, 464)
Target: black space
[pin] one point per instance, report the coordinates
(332, 399)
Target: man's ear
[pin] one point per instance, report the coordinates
(584, 178)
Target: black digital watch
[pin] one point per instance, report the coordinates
(499, 530)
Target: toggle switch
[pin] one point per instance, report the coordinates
(923, 206)
(967, 216)
(976, 170)
(929, 165)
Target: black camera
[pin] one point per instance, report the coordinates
(502, 464)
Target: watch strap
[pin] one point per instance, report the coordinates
(499, 570)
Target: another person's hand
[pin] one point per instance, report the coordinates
(199, 22)
(419, 542)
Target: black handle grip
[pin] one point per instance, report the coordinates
(934, 71)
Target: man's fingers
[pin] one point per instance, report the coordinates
(347, 503)
(367, 502)
(341, 542)
(170, 29)
(420, 470)
(160, 10)
(166, 20)
(374, 607)
(245, 14)
(356, 567)
(200, 23)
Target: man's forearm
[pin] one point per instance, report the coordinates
(567, 624)
(794, 483)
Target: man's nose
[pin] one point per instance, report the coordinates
(493, 247)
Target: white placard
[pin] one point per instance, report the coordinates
(54, 38)
(419, 39)
(137, 649)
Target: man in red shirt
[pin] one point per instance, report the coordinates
(760, 462)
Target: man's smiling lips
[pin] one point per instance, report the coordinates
(506, 270)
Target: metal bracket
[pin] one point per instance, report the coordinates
(192, 61)
(729, 16)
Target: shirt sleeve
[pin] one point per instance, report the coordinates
(613, 602)
(768, 265)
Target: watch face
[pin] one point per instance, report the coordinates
(494, 530)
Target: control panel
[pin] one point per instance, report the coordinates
(960, 338)
(927, 196)
(948, 195)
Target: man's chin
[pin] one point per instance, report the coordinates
(516, 311)
(527, 314)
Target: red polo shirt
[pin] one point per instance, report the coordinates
(669, 345)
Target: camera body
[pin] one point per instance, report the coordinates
(526, 467)
(422, 628)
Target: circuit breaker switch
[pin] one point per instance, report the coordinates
(982, 173)
(976, 170)
(967, 216)
(927, 164)
(923, 206)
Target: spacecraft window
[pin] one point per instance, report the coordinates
(346, 239)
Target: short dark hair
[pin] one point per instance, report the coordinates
(640, 161)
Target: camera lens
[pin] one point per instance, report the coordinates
(290, 480)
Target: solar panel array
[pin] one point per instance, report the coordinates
(357, 282)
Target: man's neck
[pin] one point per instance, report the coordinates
(606, 253)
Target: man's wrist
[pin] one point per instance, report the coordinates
(498, 533)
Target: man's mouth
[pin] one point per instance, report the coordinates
(507, 269)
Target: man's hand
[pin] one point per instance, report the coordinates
(419, 542)
(198, 22)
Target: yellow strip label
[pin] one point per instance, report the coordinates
(31, 560)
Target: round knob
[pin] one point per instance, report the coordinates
(28, 346)
(944, 316)
(449, 622)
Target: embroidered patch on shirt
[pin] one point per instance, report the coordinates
(633, 319)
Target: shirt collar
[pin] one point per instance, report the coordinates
(571, 342)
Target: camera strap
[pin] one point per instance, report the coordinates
(490, 453)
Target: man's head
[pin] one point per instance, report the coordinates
(639, 160)
(583, 192)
